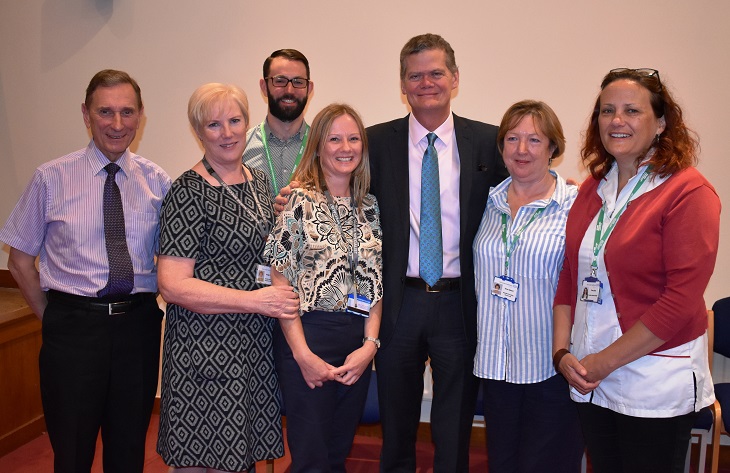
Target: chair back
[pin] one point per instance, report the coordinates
(721, 310)
(371, 411)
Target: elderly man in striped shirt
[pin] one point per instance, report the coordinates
(92, 218)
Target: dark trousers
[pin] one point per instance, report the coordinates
(321, 422)
(99, 371)
(619, 443)
(429, 325)
(532, 427)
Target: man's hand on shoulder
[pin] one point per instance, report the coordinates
(281, 200)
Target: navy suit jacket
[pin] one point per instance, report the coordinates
(481, 168)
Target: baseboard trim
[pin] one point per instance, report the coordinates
(22, 435)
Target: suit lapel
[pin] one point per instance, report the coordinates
(398, 178)
(465, 144)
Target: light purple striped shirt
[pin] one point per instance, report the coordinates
(514, 339)
(60, 217)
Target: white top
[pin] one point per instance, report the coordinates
(656, 385)
(448, 156)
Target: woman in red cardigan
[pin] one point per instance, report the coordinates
(630, 325)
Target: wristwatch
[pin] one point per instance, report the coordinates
(376, 341)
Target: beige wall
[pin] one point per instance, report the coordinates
(508, 50)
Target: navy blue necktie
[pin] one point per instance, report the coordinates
(121, 275)
(431, 253)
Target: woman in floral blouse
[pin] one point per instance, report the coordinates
(327, 245)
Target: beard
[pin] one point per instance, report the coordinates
(284, 113)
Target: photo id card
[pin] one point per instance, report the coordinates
(263, 275)
(358, 304)
(590, 290)
(505, 287)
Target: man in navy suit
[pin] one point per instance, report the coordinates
(422, 321)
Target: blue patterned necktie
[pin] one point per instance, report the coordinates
(121, 275)
(431, 254)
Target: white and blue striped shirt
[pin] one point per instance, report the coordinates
(514, 342)
(60, 216)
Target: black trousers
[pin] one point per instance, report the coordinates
(532, 427)
(618, 443)
(99, 371)
(321, 422)
(430, 325)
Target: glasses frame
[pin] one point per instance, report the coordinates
(644, 71)
(288, 81)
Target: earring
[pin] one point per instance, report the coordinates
(656, 139)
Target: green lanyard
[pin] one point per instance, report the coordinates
(600, 238)
(509, 246)
(264, 140)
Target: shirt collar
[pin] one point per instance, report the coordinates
(498, 194)
(418, 132)
(297, 136)
(98, 161)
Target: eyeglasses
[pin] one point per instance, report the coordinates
(641, 71)
(281, 81)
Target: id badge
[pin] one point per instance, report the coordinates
(505, 287)
(590, 290)
(358, 304)
(263, 275)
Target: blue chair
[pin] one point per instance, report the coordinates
(721, 309)
(709, 424)
(371, 413)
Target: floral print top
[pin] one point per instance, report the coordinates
(308, 247)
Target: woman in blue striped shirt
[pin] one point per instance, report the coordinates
(532, 424)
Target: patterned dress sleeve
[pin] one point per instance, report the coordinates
(182, 220)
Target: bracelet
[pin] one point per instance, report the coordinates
(376, 341)
(559, 356)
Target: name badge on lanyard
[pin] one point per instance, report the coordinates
(358, 304)
(505, 287)
(263, 275)
(591, 290)
(592, 287)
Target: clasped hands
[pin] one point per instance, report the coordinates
(316, 371)
(584, 375)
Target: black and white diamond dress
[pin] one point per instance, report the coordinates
(220, 406)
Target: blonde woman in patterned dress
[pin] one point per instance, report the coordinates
(327, 245)
(220, 409)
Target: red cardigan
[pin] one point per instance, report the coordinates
(659, 257)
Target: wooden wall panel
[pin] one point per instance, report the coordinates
(21, 413)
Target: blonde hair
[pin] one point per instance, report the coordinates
(309, 172)
(208, 96)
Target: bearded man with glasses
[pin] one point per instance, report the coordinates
(276, 144)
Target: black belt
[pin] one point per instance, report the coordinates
(114, 305)
(442, 285)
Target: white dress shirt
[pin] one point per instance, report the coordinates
(449, 164)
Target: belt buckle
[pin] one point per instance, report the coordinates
(431, 289)
(121, 305)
